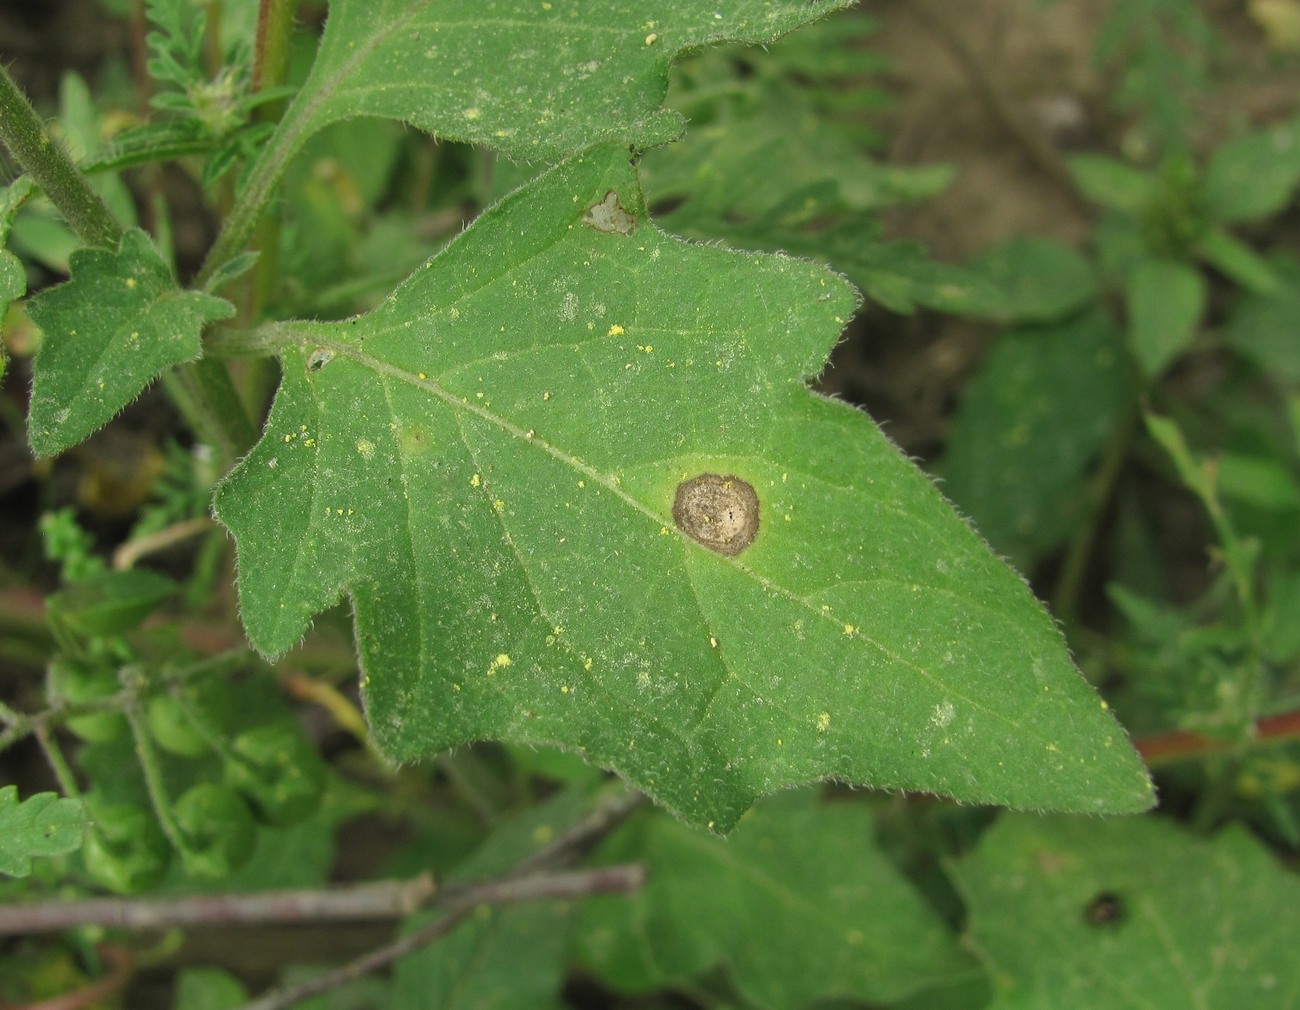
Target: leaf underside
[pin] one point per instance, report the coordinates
(487, 465)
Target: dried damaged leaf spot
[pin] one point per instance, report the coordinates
(609, 215)
(719, 512)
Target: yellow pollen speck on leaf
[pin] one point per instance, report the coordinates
(650, 39)
(546, 396)
(499, 505)
(130, 282)
(500, 663)
(823, 722)
(421, 376)
(475, 481)
(849, 629)
(616, 330)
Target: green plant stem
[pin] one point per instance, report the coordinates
(58, 763)
(270, 70)
(271, 57)
(153, 780)
(206, 397)
(22, 724)
(202, 391)
(45, 160)
(1065, 598)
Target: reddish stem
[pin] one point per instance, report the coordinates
(1181, 745)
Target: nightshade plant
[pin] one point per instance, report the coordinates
(569, 476)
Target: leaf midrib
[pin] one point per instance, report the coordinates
(610, 483)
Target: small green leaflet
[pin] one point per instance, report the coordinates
(109, 331)
(13, 277)
(487, 465)
(41, 825)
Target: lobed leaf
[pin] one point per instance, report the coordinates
(488, 462)
(529, 78)
(41, 825)
(109, 331)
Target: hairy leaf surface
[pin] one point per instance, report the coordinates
(532, 79)
(488, 464)
(109, 331)
(41, 825)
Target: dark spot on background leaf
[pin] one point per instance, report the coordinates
(1106, 909)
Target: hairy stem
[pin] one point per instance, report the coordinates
(45, 160)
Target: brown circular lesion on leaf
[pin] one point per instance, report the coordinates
(719, 512)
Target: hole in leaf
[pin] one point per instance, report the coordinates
(719, 512)
(318, 359)
(609, 215)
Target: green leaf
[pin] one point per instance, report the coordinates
(13, 278)
(1112, 183)
(1253, 176)
(1036, 280)
(41, 825)
(209, 989)
(502, 957)
(797, 903)
(111, 602)
(1165, 300)
(1262, 327)
(901, 276)
(1032, 420)
(530, 79)
(1237, 261)
(488, 463)
(1074, 913)
(109, 331)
